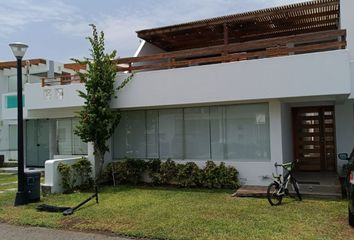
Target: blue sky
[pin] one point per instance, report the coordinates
(56, 29)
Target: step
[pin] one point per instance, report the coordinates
(320, 188)
(251, 191)
(306, 190)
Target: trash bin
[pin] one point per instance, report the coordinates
(2, 160)
(33, 185)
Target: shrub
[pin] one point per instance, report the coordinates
(211, 175)
(82, 174)
(154, 170)
(66, 177)
(76, 176)
(228, 176)
(219, 176)
(189, 175)
(129, 170)
(168, 172)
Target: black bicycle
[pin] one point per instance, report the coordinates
(279, 187)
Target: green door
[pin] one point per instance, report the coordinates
(37, 142)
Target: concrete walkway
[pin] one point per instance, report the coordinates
(10, 232)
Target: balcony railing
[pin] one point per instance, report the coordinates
(60, 80)
(264, 48)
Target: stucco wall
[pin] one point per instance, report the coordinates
(315, 74)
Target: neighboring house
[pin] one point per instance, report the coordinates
(46, 136)
(249, 89)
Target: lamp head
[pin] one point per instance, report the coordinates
(18, 49)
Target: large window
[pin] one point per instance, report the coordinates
(235, 133)
(68, 142)
(130, 136)
(196, 133)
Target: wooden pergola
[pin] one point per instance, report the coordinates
(294, 19)
(12, 64)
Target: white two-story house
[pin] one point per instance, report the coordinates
(248, 89)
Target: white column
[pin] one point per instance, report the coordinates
(276, 141)
(52, 138)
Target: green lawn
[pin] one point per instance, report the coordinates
(6, 178)
(172, 213)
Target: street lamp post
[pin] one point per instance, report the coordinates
(19, 50)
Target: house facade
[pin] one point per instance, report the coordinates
(47, 136)
(248, 89)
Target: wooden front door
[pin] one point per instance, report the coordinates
(314, 138)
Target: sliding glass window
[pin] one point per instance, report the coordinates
(68, 142)
(234, 133)
(130, 135)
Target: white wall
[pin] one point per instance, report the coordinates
(146, 48)
(38, 97)
(344, 128)
(315, 74)
(52, 178)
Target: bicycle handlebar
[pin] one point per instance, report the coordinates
(285, 164)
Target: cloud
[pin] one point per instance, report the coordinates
(70, 19)
(14, 16)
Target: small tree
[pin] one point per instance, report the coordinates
(97, 120)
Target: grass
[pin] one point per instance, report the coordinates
(172, 213)
(6, 178)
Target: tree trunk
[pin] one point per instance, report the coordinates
(99, 162)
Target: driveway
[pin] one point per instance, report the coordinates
(10, 232)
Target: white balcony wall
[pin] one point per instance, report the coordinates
(314, 74)
(53, 97)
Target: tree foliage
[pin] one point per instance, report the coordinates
(97, 120)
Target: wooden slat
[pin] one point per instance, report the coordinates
(61, 80)
(236, 57)
(236, 47)
(236, 52)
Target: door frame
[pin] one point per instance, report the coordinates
(323, 162)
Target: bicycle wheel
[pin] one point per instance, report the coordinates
(296, 188)
(272, 194)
